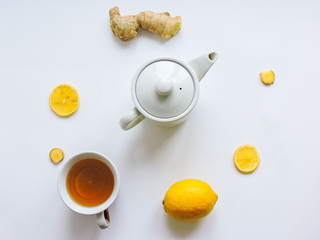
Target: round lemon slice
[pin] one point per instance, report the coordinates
(246, 158)
(64, 100)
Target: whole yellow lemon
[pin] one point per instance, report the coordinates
(189, 200)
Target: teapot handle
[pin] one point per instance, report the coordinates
(131, 119)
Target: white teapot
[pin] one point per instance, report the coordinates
(166, 90)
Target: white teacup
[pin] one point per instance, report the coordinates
(101, 211)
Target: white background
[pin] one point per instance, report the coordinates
(45, 43)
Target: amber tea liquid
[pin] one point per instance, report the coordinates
(90, 182)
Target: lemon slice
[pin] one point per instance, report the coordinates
(64, 100)
(56, 155)
(246, 158)
(267, 77)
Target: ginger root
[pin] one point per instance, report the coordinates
(127, 27)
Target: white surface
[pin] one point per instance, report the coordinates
(45, 43)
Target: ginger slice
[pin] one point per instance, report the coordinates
(127, 27)
(56, 155)
(267, 77)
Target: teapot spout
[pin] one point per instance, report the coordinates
(202, 64)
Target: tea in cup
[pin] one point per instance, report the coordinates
(88, 184)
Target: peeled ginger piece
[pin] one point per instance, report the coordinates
(267, 77)
(56, 155)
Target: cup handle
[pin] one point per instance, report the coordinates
(103, 219)
(130, 120)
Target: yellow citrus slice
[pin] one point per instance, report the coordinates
(56, 155)
(64, 100)
(267, 77)
(246, 158)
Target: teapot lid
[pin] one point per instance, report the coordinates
(165, 89)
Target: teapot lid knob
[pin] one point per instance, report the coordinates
(164, 86)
